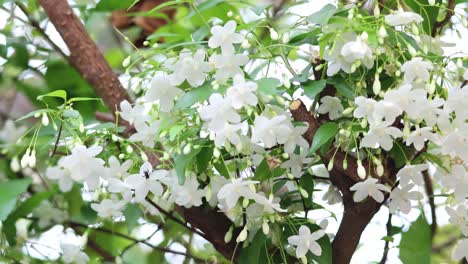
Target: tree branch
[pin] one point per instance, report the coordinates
(430, 195)
(91, 64)
(356, 215)
(438, 26)
(387, 242)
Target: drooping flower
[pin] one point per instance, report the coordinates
(224, 37)
(332, 106)
(461, 251)
(188, 194)
(382, 136)
(108, 208)
(241, 92)
(9, 134)
(73, 254)
(163, 92)
(117, 170)
(190, 68)
(455, 143)
(306, 241)
(218, 112)
(146, 133)
(230, 133)
(62, 176)
(457, 179)
(270, 132)
(415, 69)
(456, 102)
(296, 163)
(231, 192)
(413, 173)
(132, 114)
(419, 136)
(146, 181)
(400, 199)
(459, 217)
(369, 187)
(401, 18)
(228, 65)
(407, 99)
(358, 50)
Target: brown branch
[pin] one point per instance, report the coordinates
(356, 215)
(438, 26)
(85, 56)
(54, 150)
(430, 195)
(102, 252)
(91, 64)
(387, 241)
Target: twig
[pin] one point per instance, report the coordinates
(387, 242)
(98, 249)
(163, 249)
(430, 195)
(57, 141)
(173, 218)
(440, 24)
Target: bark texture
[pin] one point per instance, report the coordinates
(91, 64)
(84, 54)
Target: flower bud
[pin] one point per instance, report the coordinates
(45, 120)
(348, 110)
(361, 171)
(208, 193)
(230, 14)
(376, 86)
(303, 192)
(330, 165)
(412, 51)
(245, 202)
(14, 164)
(380, 170)
(32, 159)
(242, 236)
(121, 156)
(345, 164)
(265, 228)
(187, 149)
(430, 87)
(25, 159)
(245, 44)
(431, 2)
(126, 62)
(285, 37)
(273, 34)
(228, 235)
(143, 156)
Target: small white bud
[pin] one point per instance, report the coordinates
(45, 120)
(380, 170)
(208, 193)
(245, 202)
(273, 34)
(144, 157)
(14, 164)
(382, 32)
(285, 38)
(303, 192)
(228, 235)
(431, 2)
(121, 156)
(361, 171)
(330, 165)
(245, 44)
(430, 87)
(126, 62)
(25, 159)
(376, 86)
(242, 236)
(265, 228)
(345, 164)
(187, 149)
(364, 36)
(412, 51)
(32, 159)
(230, 14)
(129, 149)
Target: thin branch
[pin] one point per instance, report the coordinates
(35, 24)
(102, 252)
(112, 232)
(173, 218)
(441, 24)
(430, 195)
(387, 241)
(57, 141)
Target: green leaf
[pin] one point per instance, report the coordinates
(342, 86)
(416, 244)
(220, 166)
(427, 11)
(268, 85)
(313, 88)
(194, 96)
(322, 16)
(21, 211)
(181, 161)
(80, 99)
(262, 171)
(132, 213)
(111, 5)
(9, 192)
(252, 254)
(204, 158)
(59, 94)
(324, 133)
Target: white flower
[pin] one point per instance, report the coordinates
(117, 170)
(456, 102)
(83, 166)
(385, 112)
(333, 195)
(455, 143)
(108, 208)
(295, 138)
(10, 133)
(407, 99)
(336, 61)
(228, 65)
(73, 254)
(306, 241)
(358, 50)
(295, 163)
(230, 133)
(459, 217)
(365, 107)
(146, 181)
(224, 37)
(400, 198)
(187, 195)
(62, 176)
(419, 136)
(382, 136)
(231, 192)
(193, 69)
(162, 91)
(218, 112)
(412, 172)
(369, 187)
(119, 186)
(48, 215)
(403, 18)
(461, 251)
(332, 106)
(132, 114)
(269, 204)
(457, 179)
(241, 93)
(146, 133)
(270, 131)
(415, 69)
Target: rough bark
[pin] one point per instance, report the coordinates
(356, 216)
(91, 64)
(84, 54)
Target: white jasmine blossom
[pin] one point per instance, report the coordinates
(228, 65)
(400, 199)
(146, 133)
(146, 181)
(332, 106)
(416, 69)
(108, 208)
(224, 37)
(306, 241)
(163, 92)
(369, 187)
(241, 93)
(401, 18)
(190, 68)
(413, 173)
